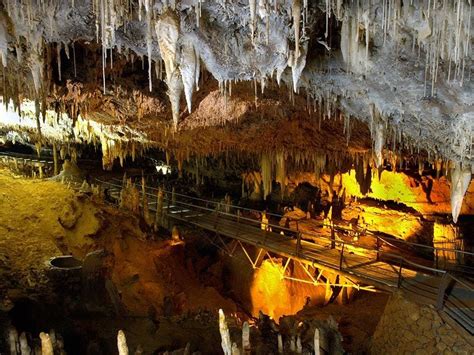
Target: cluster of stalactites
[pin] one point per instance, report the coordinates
(442, 29)
(163, 26)
(275, 166)
(113, 149)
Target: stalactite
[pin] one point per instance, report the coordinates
(167, 32)
(297, 62)
(253, 10)
(3, 45)
(58, 58)
(189, 69)
(377, 130)
(460, 180)
(296, 14)
(281, 172)
(267, 174)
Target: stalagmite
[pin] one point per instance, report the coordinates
(122, 343)
(293, 344)
(460, 180)
(299, 347)
(235, 349)
(24, 347)
(316, 342)
(225, 335)
(13, 341)
(280, 344)
(246, 337)
(52, 336)
(46, 344)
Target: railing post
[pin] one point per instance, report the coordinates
(238, 221)
(168, 212)
(436, 257)
(443, 285)
(333, 237)
(400, 274)
(298, 244)
(342, 255)
(378, 248)
(217, 216)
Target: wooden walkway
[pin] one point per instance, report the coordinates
(383, 270)
(364, 268)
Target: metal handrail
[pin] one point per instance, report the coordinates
(443, 299)
(471, 288)
(289, 230)
(402, 259)
(213, 202)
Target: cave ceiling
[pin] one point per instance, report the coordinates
(200, 77)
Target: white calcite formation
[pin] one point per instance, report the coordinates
(46, 344)
(402, 67)
(122, 343)
(410, 59)
(460, 179)
(226, 343)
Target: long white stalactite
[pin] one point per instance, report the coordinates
(460, 180)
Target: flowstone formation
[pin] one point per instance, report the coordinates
(402, 70)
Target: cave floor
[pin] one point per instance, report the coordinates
(26, 242)
(32, 233)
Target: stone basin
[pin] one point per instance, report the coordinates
(65, 262)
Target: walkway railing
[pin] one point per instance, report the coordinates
(460, 262)
(447, 293)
